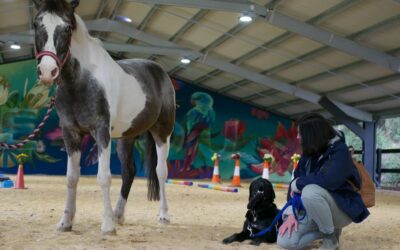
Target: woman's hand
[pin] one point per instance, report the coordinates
(288, 225)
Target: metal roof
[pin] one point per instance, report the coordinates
(291, 54)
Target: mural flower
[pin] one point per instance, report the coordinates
(37, 97)
(19, 117)
(4, 86)
(282, 146)
(234, 129)
(233, 132)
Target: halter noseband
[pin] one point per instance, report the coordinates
(60, 63)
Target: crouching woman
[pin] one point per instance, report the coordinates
(322, 178)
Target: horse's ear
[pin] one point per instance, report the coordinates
(74, 4)
(38, 3)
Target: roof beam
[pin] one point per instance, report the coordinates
(370, 83)
(333, 40)
(376, 100)
(227, 35)
(221, 5)
(117, 47)
(322, 50)
(283, 37)
(189, 24)
(112, 26)
(101, 8)
(316, 77)
(394, 111)
(143, 24)
(288, 23)
(104, 25)
(387, 113)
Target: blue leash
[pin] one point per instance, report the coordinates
(296, 204)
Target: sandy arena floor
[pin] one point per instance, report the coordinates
(200, 218)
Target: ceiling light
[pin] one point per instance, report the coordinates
(185, 61)
(124, 19)
(15, 46)
(245, 18)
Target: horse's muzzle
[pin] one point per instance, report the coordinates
(47, 75)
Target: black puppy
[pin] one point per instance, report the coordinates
(260, 214)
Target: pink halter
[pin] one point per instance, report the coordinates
(60, 63)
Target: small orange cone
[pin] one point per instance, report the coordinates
(236, 173)
(265, 174)
(267, 159)
(216, 177)
(19, 183)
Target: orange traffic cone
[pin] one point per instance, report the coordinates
(236, 173)
(267, 159)
(19, 183)
(216, 177)
(265, 174)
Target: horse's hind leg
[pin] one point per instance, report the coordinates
(73, 144)
(128, 171)
(162, 148)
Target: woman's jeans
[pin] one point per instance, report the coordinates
(323, 217)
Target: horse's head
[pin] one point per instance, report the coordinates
(53, 25)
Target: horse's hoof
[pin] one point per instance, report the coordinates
(120, 220)
(110, 232)
(108, 227)
(63, 228)
(164, 221)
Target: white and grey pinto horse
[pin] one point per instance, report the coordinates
(98, 96)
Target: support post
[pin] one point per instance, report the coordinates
(378, 166)
(369, 148)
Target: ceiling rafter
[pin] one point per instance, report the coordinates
(325, 49)
(188, 25)
(112, 26)
(288, 23)
(227, 35)
(143, 24)
(370, 83)
(283, 37)
(316, 77)
(116, 47)
(302, 82)
(100, 9)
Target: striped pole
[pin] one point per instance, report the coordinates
(184, 183)
(280, 185)
(218, 188)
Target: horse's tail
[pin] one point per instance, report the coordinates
(153, 186)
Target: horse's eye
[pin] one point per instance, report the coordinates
(35, 25)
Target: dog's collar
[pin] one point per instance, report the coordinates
(255, 226)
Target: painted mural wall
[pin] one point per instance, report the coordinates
(206, 123)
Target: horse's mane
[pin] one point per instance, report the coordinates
(82, 30)
(59, 7)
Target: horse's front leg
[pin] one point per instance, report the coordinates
(104, 180)
(72, 143)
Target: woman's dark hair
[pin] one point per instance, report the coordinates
(315, 132)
